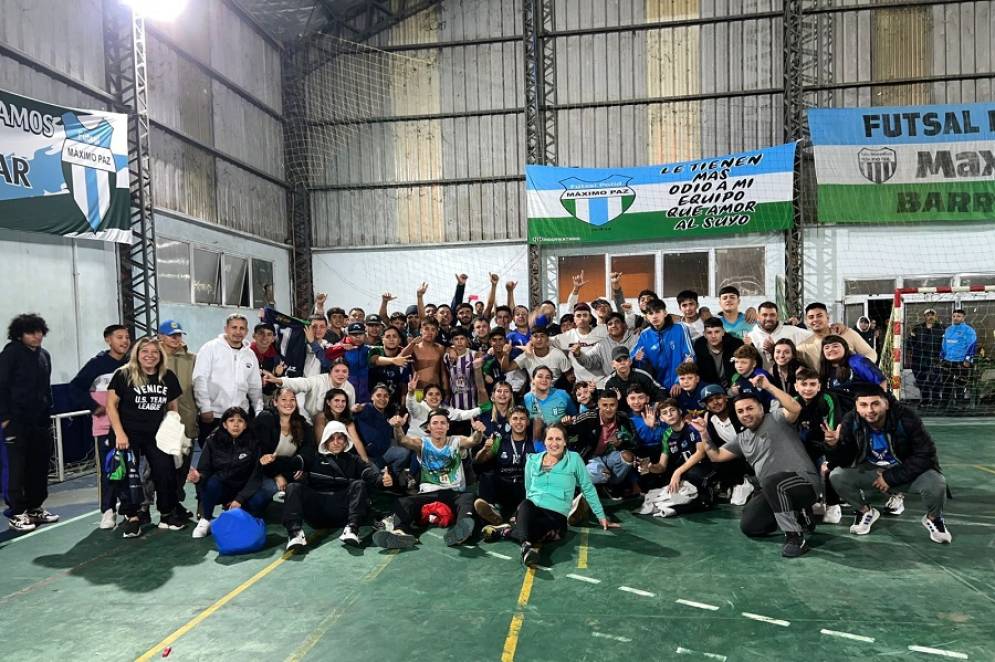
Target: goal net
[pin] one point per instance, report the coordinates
(938, 363)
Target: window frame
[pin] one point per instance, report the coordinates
(222, 254)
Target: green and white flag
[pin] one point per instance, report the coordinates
(916, 163)
(63, 170)
(745, 192)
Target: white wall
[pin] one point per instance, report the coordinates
(38, 276)
(834, 254)
(203, 322)
(358, 277)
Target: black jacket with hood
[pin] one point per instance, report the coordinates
(908, 442)
(234, 461)
(328, 472)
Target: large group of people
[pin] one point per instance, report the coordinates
(498, 421)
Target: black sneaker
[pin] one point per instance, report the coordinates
(132, 528)
(42, 516)
(794, 545)
(144, 517)
(396, 539)
(530, 555)
(173, 522)
(459, 532)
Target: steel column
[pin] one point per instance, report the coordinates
(296, 146)
(540, 93)
(127, 82)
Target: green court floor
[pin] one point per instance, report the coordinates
(688, 588)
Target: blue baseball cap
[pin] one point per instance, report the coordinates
(711, 391)
(171, 327)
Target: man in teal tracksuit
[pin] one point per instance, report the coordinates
(663, 346)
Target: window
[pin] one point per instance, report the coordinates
(926, 281)
(638, 273)
(869, 286)
(593, 267)
(685, 271)
(851, 313)
(206, 277)
(743, 268)
(262, 284)
(236, 281)
(173, 270)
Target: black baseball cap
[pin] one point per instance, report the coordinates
(397, 315)
(374, 319)
(411, 310)
(620, 352)
(356, 328)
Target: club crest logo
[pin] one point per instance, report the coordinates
(877, 165)
(88, 167)
(597, 203)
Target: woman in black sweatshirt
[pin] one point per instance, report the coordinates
(229, 471)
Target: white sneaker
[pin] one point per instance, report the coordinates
(665, 511)
(203, 528)
(299, 540)
(279, 496)
(895, 505)
(937, 529)
(22, 522)
(741, 493)
(348, 537)
(109, 519)
(862, 522)
(42, 516)
(818, 508)
(833, 515)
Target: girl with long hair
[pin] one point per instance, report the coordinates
(336, 408)
(784, 366)
(139, 395)
(283, 434)
(842, 368)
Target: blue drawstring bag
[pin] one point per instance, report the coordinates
(238, 532)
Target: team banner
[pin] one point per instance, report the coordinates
(916, 163)
(63, 170)
(745, 192)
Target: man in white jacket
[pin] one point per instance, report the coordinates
(769, 329)
(226, 374)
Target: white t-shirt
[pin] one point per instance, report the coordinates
(285, 447)
(555, 360)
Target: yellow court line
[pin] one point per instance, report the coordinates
(238, 590)
(983, 468)
(582, 554)
(511, 641)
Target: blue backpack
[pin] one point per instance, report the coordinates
(238, 532)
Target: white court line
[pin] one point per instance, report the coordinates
(847, 635)
(497, 555)
(433, 534)
(542, 567)
(938, 651)
(637, 591)
(613, 637)
(582, 578)
(696, 605)
(687, 651)
(766, 619)
(48, 527)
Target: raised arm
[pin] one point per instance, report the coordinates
(792, 408)
(491, 297)
(618, 297)
(385, 298)
(510, 287)
(420, 292)
(460, 291)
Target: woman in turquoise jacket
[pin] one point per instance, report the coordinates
(551, 478)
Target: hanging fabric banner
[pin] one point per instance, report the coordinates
(63, 170)
(915, 163)
(745, 192)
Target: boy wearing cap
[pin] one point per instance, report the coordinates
(723, 426)
(89, 390)
(356, 353)
(789, 481)
(442, 479)
(374, 330)
(624, 376)
(882, 445)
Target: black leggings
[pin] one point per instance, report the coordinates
(775, 504)
(163, 475)
(535, 524)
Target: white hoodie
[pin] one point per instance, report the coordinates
(224, 377)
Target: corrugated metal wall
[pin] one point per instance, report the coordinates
(722, 80)
(185, 98)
